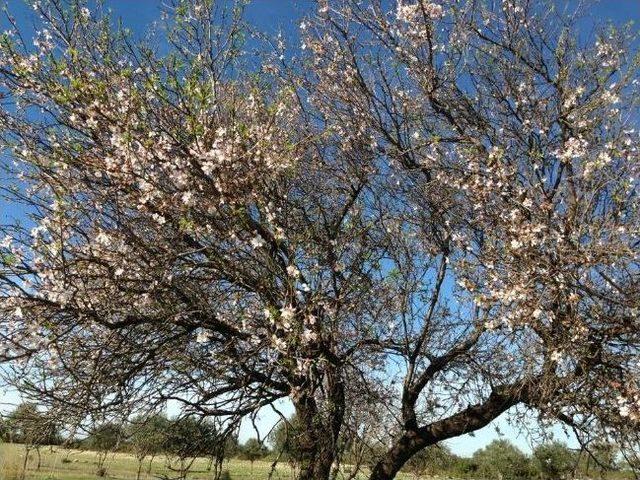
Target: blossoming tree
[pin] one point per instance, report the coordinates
(518, 136)
(430, 219)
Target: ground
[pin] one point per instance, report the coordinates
(64, 464)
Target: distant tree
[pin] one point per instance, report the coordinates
(223, 445)
(463, 467)
(147, 438)
(189, 438)
(105, 438)
(224, 448)
(33, 428)
(253, 450)
(555, 460)
(630, 455)
(285, 440)
(603, 458)
(503, 460)
(433, 460)
(26, 424)
(231, 446)
(4, 430)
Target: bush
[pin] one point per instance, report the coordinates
(503, 460)
(463, 467)
(433, 460)
(605, 458)
(253, 450)
(555, 460)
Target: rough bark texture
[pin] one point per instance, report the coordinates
(318, 441)
(314, 443)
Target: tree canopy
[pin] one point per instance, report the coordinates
(427, 218)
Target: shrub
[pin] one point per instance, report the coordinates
(503, 460)
(554, 460)
(433, 460)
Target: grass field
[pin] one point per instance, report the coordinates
(63, 464)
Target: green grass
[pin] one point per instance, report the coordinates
(64, 464)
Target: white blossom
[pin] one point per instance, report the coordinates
(203, 336)
(293, 272)
(257, 242)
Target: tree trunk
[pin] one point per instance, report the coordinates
(309, 441)
(416, 438)
(318, 441)
(150, 464)
(406, 446)
(140, 460)
(24, 464)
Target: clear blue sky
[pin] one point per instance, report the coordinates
(284, 15)
(274, 15)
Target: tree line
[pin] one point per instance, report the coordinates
(500, 459)
(182, 440)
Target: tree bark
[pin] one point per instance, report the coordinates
(140, 460)
(415, 439)
(316, 456)
(318, 441)
(402, 450)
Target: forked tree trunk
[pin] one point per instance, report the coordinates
(469, 420)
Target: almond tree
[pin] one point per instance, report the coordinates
(516, 132)
(189, 237)
(429, 220)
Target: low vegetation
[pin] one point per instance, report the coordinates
(184, 448)
(499, 460)
(60, 463)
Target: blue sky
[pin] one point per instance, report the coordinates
(274, 15)
(284, 15)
